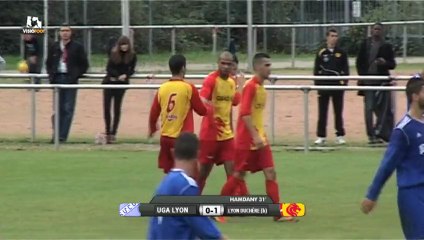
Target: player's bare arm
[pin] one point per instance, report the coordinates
(368, 205)
(206, 101)
(240, 80)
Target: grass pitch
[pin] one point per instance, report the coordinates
(74, 194)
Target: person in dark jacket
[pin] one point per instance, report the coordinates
(331, 61)
(120, 67)
(376, 57)
(66, 63)
(32, 54)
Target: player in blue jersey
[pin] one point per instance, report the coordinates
(179, 183)
(405, 153)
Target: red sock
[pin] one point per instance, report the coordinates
(201, 183)
(243, 188)
(237, 189)
(230, 186)
(195, 175)
(272, 190)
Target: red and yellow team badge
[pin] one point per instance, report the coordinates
(292, 209)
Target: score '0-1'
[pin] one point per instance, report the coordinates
(211, 210)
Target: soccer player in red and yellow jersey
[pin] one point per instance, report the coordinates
(219, 93)
(253, 152)
(174, 103)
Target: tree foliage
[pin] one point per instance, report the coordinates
(174, 12)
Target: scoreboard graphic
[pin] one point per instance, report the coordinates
(255, 205)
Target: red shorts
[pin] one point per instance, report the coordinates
(166, 153)
(216, 152)
(253, 160)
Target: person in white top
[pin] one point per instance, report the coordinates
(66, 63)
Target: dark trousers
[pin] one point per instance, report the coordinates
(370, 108)
(115, 95)
(35, 68)
(380, 104)
(67, 99)
(337, 98)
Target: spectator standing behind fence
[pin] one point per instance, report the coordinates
(66, 63)
(120, 67)
(32, 50)
(331, 61)
(376, 57)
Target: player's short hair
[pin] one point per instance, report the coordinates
(378, 24)
(65, 25)
(258, 57)
(331, 30)
(176, 63)
(186, 146)
(414, 86)
(225, 54)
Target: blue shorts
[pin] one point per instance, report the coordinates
(411, 211)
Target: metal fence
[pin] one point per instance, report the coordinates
(304, 88)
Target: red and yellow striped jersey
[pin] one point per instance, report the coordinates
(253, 101)
(216, 125)
(174, 103)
